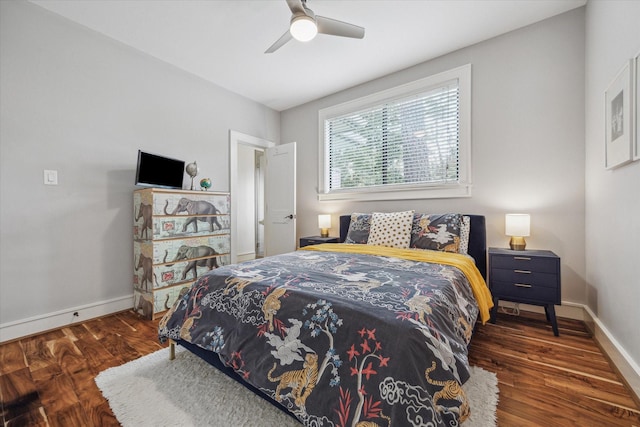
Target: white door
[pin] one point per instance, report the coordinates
(280, 199)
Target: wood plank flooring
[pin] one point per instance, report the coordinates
(551, 381)
(48, 379)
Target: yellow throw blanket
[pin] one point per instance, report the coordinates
(462, 262)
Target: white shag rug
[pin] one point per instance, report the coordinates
(155, 391)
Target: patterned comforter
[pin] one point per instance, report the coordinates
(339, 338)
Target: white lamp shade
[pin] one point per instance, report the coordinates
(303, 28)
(517, 225)
(324, 221)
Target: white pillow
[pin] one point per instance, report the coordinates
(465, 229)
(391, 229)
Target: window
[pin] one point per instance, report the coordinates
(407, 142)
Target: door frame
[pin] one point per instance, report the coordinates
(235, 139)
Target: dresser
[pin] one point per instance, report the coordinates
(178, 236)
(317, 240)
(528, 277)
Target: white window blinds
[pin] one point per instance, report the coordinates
(404, 141)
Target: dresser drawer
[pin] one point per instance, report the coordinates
(525, 293)
(526, 263)
(529, 277)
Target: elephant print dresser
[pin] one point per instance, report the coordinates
(178, 235)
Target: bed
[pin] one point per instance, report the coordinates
(346, 334)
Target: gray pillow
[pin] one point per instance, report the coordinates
(359, 228)
(438, 232)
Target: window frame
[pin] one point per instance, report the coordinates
(461, 188)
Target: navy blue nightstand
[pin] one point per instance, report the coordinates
(528, 277)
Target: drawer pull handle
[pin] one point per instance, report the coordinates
(521, 285)
(522, 258)
(522, 271)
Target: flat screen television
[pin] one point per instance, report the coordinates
(159, 171)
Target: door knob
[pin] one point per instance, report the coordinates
(290, 216)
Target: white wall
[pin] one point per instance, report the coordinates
(527, 140)
(612, 196)
(82, 104)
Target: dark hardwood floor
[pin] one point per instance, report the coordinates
(48, 379)
(551, 381)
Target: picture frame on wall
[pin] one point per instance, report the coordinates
(636, 106)
(619, 133)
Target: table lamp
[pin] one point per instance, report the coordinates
(324, 223)
(518, 227)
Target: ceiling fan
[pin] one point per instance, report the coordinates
(305, 25)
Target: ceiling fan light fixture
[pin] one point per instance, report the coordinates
(305, 25)
(303, 28)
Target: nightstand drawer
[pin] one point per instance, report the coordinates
(313, 242)
(525, 262)
(317, 240)
(526, 293)
(530, 277)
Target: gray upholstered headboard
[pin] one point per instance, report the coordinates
(477, 239)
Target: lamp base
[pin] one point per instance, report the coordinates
(324, 232)
(517, 243)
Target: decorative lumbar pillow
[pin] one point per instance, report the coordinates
(465, 229)
(391, 229)
(438, 232)
(359, 228)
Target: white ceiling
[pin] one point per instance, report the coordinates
(223, 41)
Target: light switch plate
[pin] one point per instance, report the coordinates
(50, 177)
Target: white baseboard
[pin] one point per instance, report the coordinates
(37, 324)
(623, 362)
(569, 310)
(246, 256)
(628, 368)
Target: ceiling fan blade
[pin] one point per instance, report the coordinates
(334, 27)
(280, 42)
(296, 7)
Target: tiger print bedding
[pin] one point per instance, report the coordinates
(339, 339)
